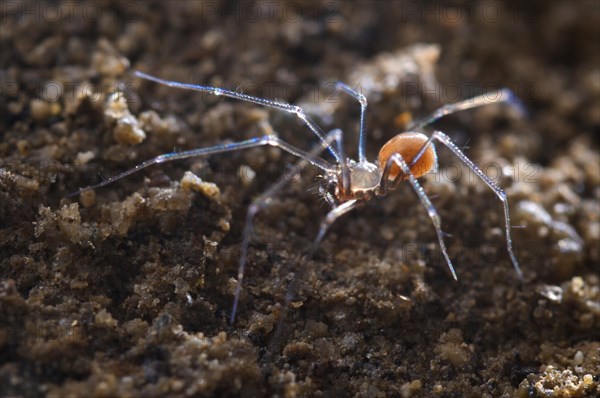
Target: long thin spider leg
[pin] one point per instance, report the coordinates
(435, 218)
(343, 164)
(327, 222)
(260, 203)
(385, 185)
(421, 152)
(362, 134)
(251, 143)
(293, 109)
(331, 217)
(444, 139)
(504, 95)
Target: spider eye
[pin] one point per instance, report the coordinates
(408, 145)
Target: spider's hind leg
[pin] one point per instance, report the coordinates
(444, 139)
(502, 96)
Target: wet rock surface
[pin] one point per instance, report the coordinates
(127, 290)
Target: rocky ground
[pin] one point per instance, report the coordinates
(126, 290)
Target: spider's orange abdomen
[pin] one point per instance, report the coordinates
(408, 146)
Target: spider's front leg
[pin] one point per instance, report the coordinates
(282, 106)
(362, 130)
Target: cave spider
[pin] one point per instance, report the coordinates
(346, 184)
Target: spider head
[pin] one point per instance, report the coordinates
(365, 178)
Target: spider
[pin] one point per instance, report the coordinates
(346, 183)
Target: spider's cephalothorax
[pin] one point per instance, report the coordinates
(346, 183)
(364, 177)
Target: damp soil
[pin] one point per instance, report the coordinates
(126, 290)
